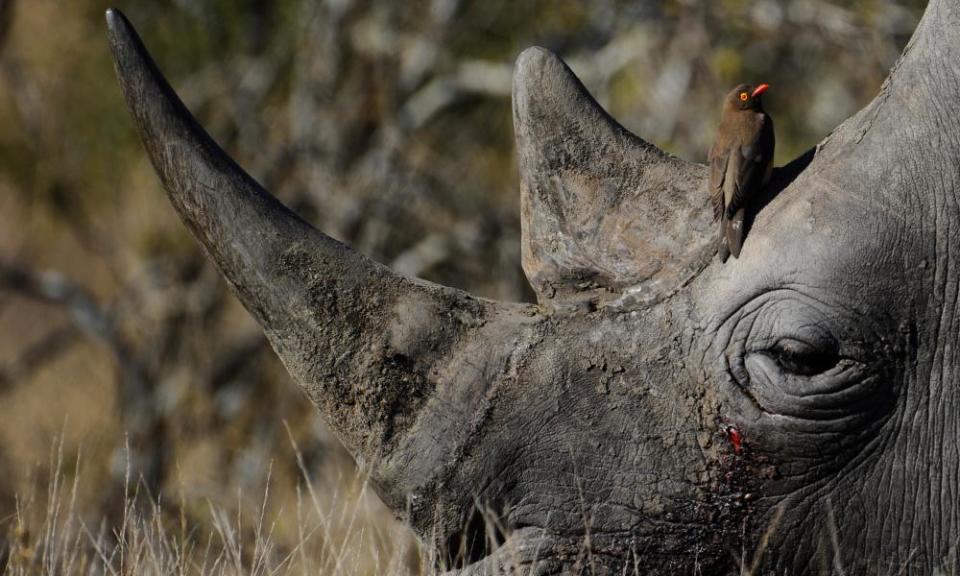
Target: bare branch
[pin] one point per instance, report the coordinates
(54, 288)
(86, 313)
(38, 355)
(472, 78)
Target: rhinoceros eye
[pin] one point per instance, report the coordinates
(803, 358)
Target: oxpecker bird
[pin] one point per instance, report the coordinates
(741, 161)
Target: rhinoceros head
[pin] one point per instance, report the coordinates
(794, 410)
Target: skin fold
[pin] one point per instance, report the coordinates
(792, 411)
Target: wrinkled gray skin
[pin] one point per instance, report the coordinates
(594, 425)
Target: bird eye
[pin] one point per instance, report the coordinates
(744, 96)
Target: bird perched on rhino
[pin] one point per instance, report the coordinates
(741, 162)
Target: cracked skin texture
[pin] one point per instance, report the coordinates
(594, 427)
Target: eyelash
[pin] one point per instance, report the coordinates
(806, 362)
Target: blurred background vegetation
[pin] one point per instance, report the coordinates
(385, 123)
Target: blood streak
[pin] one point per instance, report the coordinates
(736, 439)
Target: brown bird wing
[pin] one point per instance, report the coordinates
(718, 171)
(752, 159)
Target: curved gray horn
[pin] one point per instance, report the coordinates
(367, 344)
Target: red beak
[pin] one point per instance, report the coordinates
(759, 90)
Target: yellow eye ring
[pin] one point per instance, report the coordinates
(743, 96)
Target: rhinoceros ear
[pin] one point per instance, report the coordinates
(604, 213)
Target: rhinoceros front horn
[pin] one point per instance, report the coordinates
(367, 344)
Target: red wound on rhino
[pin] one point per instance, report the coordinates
(736, 439)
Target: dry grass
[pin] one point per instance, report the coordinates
(336, 534)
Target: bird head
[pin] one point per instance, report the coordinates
(747, 97)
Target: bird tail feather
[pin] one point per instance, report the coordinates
(723, 249)
(733, 232)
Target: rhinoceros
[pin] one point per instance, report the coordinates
(794, 411)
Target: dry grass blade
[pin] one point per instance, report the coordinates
(152, 539)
